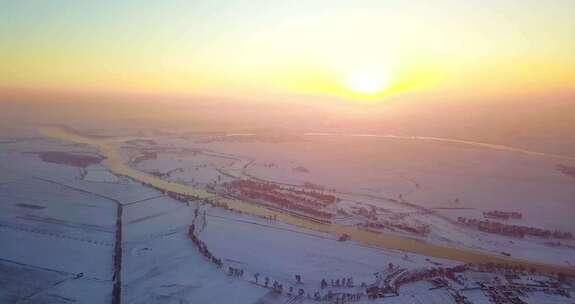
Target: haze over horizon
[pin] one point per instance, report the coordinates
(493, 70)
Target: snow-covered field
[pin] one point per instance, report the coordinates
(59, 223)
(57, 236)
(281, 251)
(57, 243)
(449, 179)
(161, 264)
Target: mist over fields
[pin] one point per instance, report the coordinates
(543, 121)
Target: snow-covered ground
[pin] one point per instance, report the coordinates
(449, 179)
(59, 223)
(57, 243)
(162, 265)
(57, 236)
(281, 251)
(98, 173)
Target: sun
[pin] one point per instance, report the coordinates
(368, 82)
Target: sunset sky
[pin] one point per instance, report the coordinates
(350, 49)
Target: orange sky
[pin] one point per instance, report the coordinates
(358, 50)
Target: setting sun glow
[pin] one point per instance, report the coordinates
(368, 82)
(352, 50)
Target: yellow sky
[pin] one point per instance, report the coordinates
(356, 49)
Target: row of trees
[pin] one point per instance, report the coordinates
(203, 248)
(513, 230)
(271, 193)
(312, 197)
(343, 282)
(502, 215)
